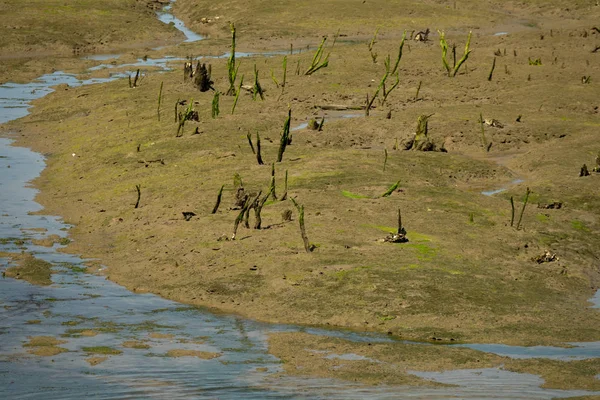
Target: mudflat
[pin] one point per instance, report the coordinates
(518, 121)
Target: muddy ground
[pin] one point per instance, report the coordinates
(464, 275)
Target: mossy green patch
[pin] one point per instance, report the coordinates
(31, 269)
(101, 350)
(351, 195)
(579, 225)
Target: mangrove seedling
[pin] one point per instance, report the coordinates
(523, 209)
(188, 115)
(484, 141)
(391, 189)
(320, 128)
(258, 209)
(253, 204)
(237, 94)
(536, 61)
(218, 203)
(512, 211)
(284, 63)
(237, 181)
(272, 187)
(232, 69)
(371, 45)
(133, 83)
(257, 89)
(400, 235)
(385, 157)
(249, 137)
(370, 102)
(138, 188)
(444, 45)
(395, 69)
(418, 90)
(492, 70)
(307, 246)
(316, 63)
(285, 136)
(258, 155)
(215, 105)
(285, 187)
(159, 101)
(246, 204)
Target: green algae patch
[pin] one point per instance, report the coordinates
(575, 374)
(101, 350)
(351, 195)
(44, 346)
(205, 355)
(30, 269)
(136, 344)
(76, 333)
(315, 356)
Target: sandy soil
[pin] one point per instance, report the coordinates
(464, 275)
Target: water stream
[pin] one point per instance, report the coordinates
(88, 311)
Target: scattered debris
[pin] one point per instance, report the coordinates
(400, 235)
(187, 215)
(421, 141)
(545, 258)
(422, 36)
(584, 171)
(286, 216)
(494, 123)
(557, 205)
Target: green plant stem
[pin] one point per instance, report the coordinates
(218, 203)
(523, 209)
(159, 100)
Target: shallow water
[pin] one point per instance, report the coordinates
(78, 301)
(503, 189)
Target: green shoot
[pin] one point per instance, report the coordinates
(391, 189)
(232, 69)
(371, 45)
(285, 136)
(257, 90)
(237, 94)
(316, 63)
(444, 45)
(215, 104)
(159, 100)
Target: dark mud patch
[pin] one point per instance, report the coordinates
(31, 269)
